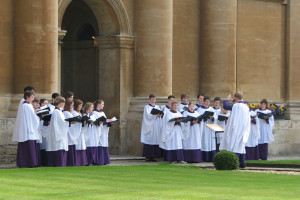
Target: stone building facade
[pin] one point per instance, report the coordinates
(122, 50)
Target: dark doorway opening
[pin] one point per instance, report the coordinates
(80, 54)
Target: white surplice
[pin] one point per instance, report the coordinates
(208, 140)
(73, 133)
(58, 134)
(151, 126)
(221, 124)
(254, 131)
(237, 129)
(172, 134)
(103, 140)
(92, 133)
(77, 127)
(266, 129)
(27, 124)
(191, 133)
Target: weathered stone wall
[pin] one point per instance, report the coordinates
(8, 149)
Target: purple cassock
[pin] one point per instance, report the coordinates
(192, 156)
(92, 155)
(252, 153)
(57, 158)
(173, 155)
(103, 156)
(152, 151)
(208, 156)
(81, 159)
(263, 151)
(71, 156)
(27, 155)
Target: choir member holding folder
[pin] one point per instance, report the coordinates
(58, 136)
(26, 133)
(172, 135)
(191, 136)
(208, 142)
(151, 130)
(171, 99)
(72, 133)
(103, 153)
(92, 134)
(184, 103)
(252, 152)
(80, 145)
(266, 123)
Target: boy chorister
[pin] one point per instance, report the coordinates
(208, 145)
(191, 136)
(58, 136)
(26, 133)
(266, 124)
(184, 103)
(172, 135)
(252, 152)
(200, 101)
(103, 153)
(151, 131)
(171, 99)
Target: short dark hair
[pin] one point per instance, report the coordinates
(35, 100)
(54, 95)
(184, 96)
(206, 98)
(200, 95)
(42, 101)
(171, 96)
(152, 96)
(28, 94)
(30, 88)
(217, 99)
(68, 94)
(264, 101)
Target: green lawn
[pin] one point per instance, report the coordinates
(144, 182)
(275, 161)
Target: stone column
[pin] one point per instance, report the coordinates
(61, 35)
(153, 61)
(293, 60)
(36, 51)
(218, 47)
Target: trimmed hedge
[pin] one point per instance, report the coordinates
(226, 160)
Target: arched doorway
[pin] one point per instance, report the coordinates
(80, 66)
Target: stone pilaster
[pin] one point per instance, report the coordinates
(218, 47)
(293, 59)
(36, 51)
(153, 61)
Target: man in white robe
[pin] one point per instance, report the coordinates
(237, 130)
(151, 131)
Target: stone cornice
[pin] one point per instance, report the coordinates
(116, 41)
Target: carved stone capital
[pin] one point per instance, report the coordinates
(61, 35)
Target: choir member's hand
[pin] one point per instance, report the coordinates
(179, 120)
(159, 115)
(211, 117)
(36, 110)
(194, 121)
(229, 97)
(109, 120)
(266, 117)
(73, 122)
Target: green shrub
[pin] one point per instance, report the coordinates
(226, 160)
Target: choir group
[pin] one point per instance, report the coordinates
(178, 132)
(63, 133)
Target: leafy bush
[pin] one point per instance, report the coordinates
(226, 160)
